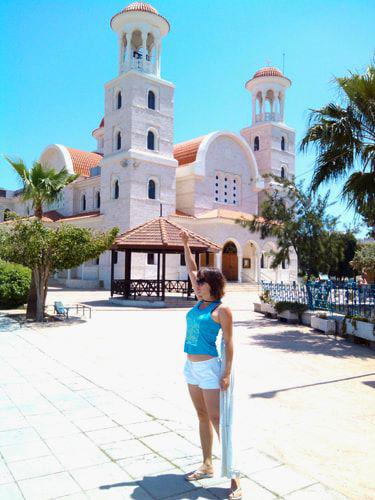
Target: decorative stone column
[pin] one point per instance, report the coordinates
(282, 98)
(218, 260)
(158, 56)
(144, 50)
(254, 99)
(128, 53)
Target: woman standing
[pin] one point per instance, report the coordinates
(203, 371)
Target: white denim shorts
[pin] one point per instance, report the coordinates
(204, 374)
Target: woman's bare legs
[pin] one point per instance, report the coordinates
(212, 400)
(205, 426)
(207, 406)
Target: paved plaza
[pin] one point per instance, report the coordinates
(99, 408)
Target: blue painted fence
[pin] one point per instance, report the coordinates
(336, 297)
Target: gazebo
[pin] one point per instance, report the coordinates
(160, 236)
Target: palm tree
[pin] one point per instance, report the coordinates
(344, 140)
(42, 185)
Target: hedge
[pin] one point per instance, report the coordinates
(15, 283)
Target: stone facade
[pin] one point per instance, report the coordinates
(202, 185)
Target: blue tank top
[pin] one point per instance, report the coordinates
(201, 330)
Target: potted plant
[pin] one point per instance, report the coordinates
(359, 326)
(267, 304)
(290, 311)
(323, 323)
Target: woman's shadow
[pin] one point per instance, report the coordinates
(167, 485)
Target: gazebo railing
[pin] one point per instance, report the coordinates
(149, 287)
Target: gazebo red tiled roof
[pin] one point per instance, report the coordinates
(162, 234)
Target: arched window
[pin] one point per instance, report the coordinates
(150, 140)
(118, 140)
(116, 190)
(83, 202)
(6, 214)
(256, 143)
(151, 190)
(262, 261)
(119, 100)
(283, 265)
(151, 99)
(283, 144)
(282, 173)
(97, 199)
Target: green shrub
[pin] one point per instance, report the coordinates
(354, 319)
(15, 283)
(266, 297)
(294, 307)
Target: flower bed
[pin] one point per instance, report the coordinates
(359, 327)
(290, 311)
(323, 324)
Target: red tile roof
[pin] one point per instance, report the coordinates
(268, 71)
(51, 216)
(161, 234)
(179, 213)
(186, 152)
(82, 215)
(140, 7)
(83, 161)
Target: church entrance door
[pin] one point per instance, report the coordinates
(230, 262)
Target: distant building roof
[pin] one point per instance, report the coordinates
(186, 152)
(83, 161)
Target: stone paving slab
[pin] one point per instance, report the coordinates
(11, 491)
(281, 480)
(72, 427)
(52, 486)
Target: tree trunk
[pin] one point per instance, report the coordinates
(39, 286)
(31, 301)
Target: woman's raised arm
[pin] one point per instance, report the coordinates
(189, 260)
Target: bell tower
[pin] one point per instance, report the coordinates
(271, 140)
(138, 167)
(140, 29)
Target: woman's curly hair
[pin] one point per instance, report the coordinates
(215, 278)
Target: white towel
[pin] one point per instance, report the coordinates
(226, 421)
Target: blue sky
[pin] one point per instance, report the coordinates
(56, 56)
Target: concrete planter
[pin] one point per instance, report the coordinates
(289, 316)
(306, 317)
(268, 309)
(323, 324)
(360, 329)
(257, 307)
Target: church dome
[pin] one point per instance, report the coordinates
(268, 71)
(141, 6)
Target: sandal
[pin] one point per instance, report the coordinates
(198, 475)
(235, 494)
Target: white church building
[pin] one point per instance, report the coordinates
(203, 184)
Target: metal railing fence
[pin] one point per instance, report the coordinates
(336, 297)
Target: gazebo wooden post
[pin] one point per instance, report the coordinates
(163, 278)
(207, 259)
(128, 262)
(112, 270)
(158, 276)
(197, 259)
